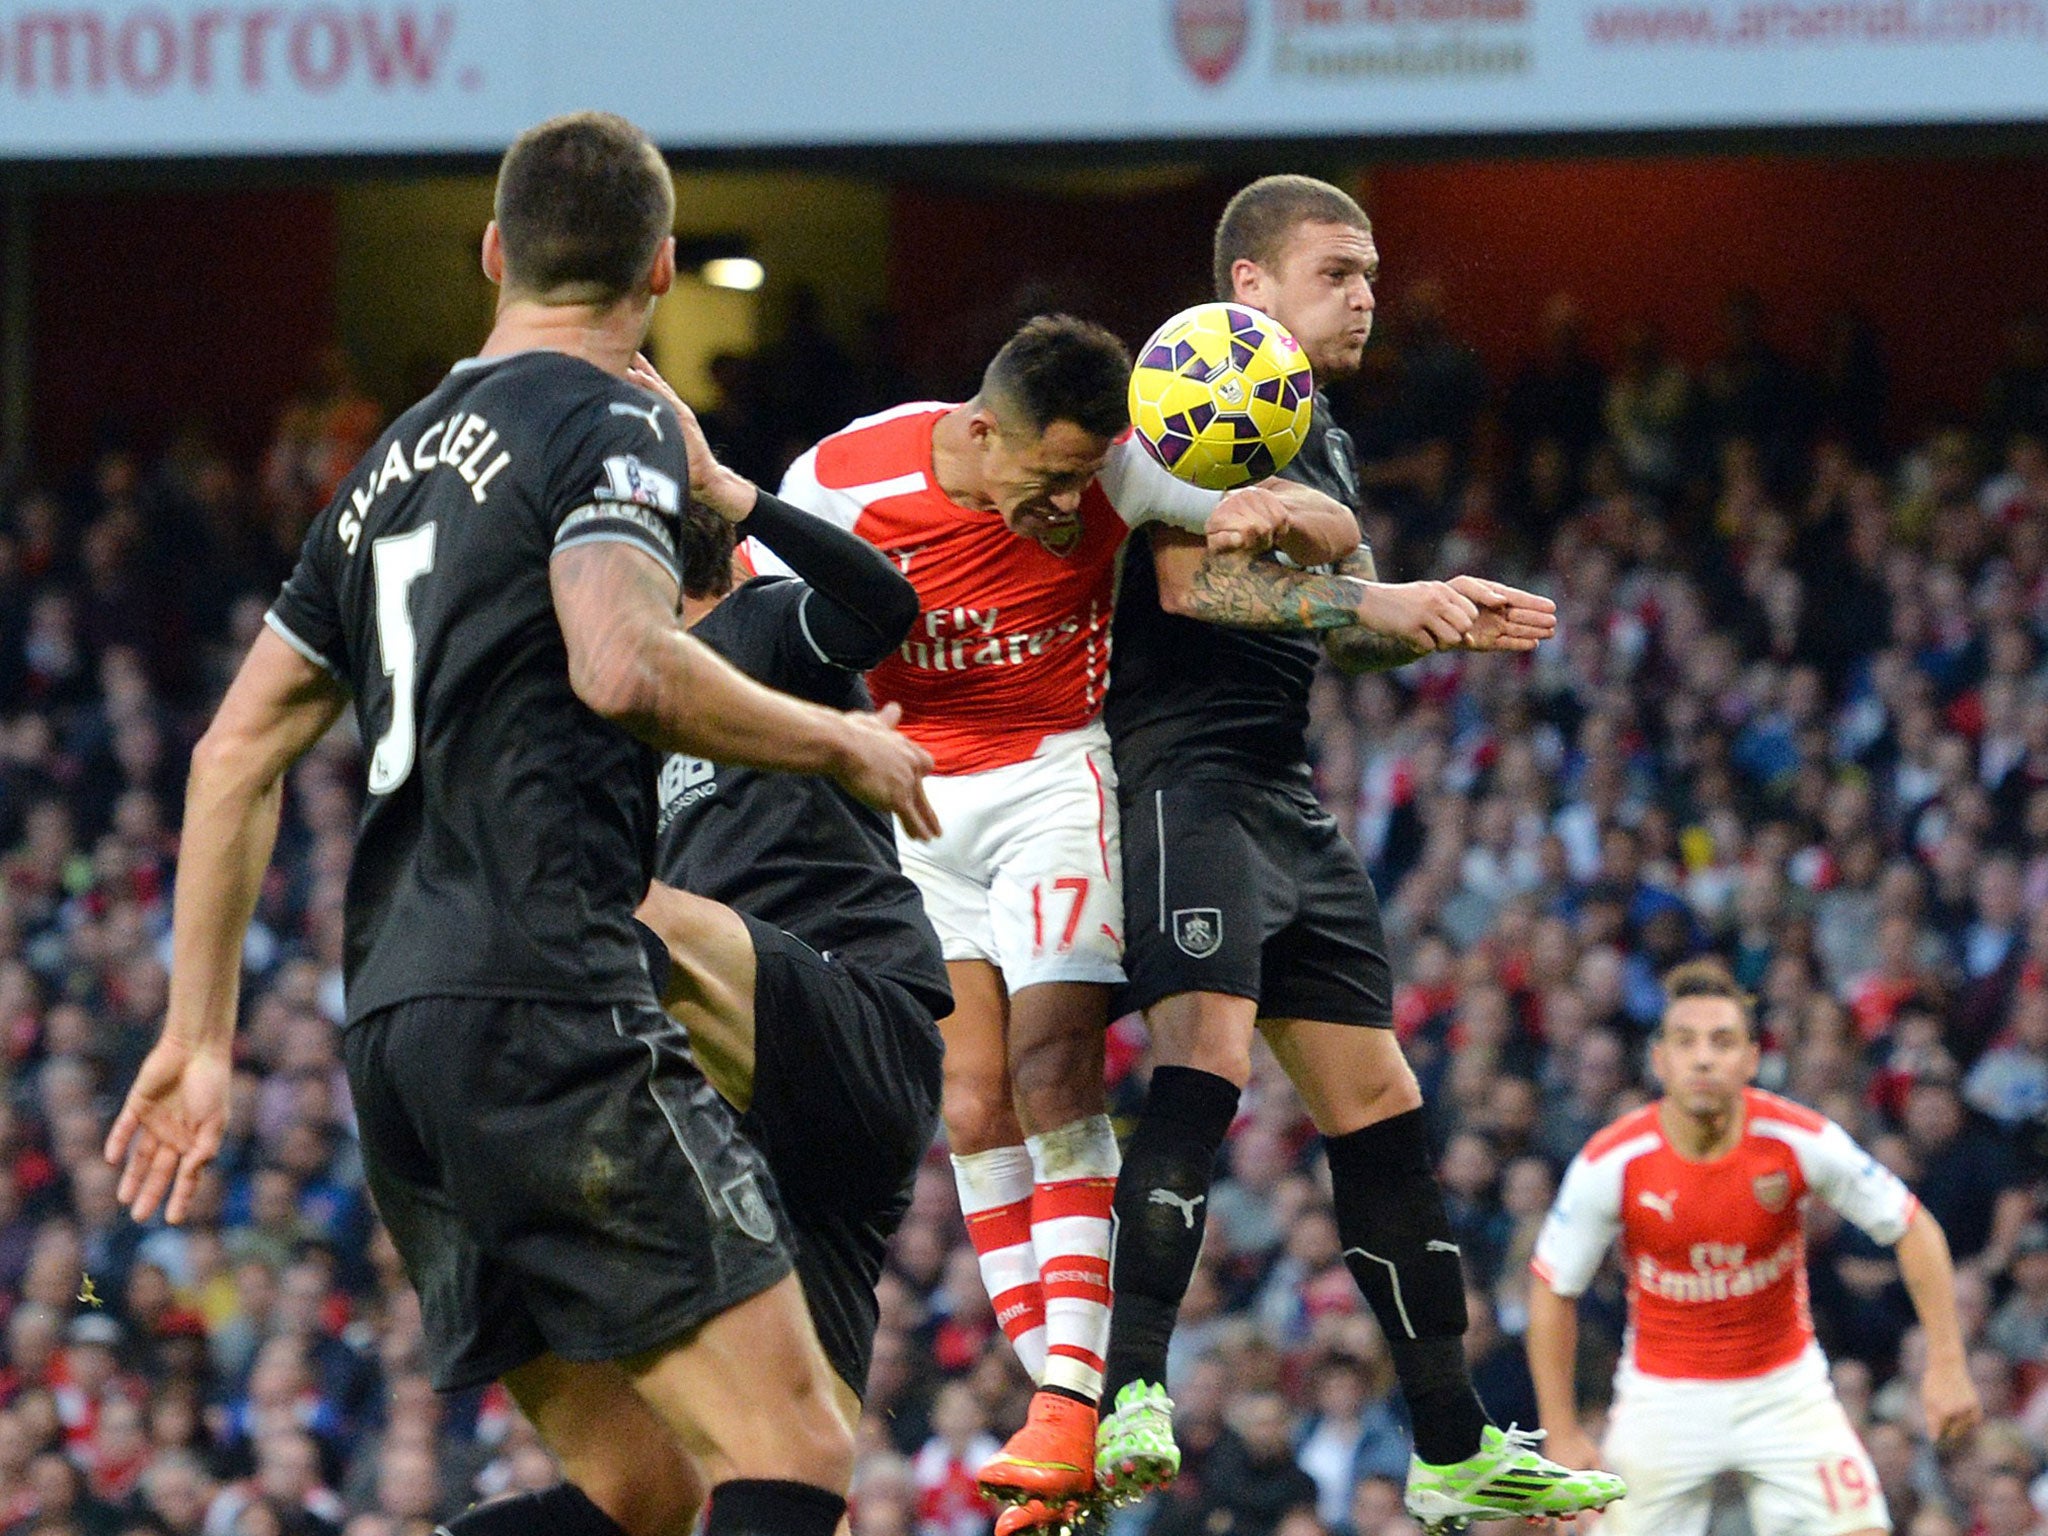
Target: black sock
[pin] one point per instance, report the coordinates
(1162, 1199)
(759, 1506)
(563, 1510)
(1398, 1246)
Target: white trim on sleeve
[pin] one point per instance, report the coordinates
(284, 632)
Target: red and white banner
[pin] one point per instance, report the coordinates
(202, 77)
(254, 78)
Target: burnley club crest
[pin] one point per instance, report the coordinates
(1198, 931)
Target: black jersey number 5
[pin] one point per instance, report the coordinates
(396, 562)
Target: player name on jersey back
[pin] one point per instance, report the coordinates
(1714, 1252)
(461, 442)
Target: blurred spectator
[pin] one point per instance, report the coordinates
(948, 1501)
(1964, 1176)
(2016, 399)
(1242, 1204)
(1560, 395)
(320, 435)
(2019, 1329)
(1751, 392)
(2002, 1507)
(1352, 1432)
(1377, 1510)
(1850, 387)
(1648, 401)
(1250, 1480)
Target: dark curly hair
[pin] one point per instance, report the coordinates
(708, 543)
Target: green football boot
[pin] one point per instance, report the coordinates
(1134, 1449)
(1506, 1479)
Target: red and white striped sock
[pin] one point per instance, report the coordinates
(1074, 1171)
(995, 1197)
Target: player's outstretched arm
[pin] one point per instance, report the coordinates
(1505, 619)
(1509, 619)
(1248, 591)
(631, 663)
(1948, 1399)
(1359, 648)
(1553, 1345)
(860, 607)
(170, 1126)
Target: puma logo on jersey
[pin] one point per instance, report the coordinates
(1185, 1206)
(1661, 1204)
(652, 416)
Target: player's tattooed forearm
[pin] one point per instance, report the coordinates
(1358, 649)
(1361, 564)
(1252, 592)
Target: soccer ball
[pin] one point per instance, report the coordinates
(1222, 395)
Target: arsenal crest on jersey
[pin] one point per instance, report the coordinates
(1772, 1190)
(1210, 35)
(1198, 931)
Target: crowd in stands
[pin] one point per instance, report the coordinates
(1796, 714)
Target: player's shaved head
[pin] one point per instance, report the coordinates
(1060, 368)
(583, 204)
(1256, 223)
(1708, 978)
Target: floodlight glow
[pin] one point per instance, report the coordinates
(740, 272)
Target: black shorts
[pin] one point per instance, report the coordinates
(1250, 890)
(845, 1106)
(557, 1178)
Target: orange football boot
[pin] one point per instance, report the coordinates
(1037, 1515)
(1052, 1458)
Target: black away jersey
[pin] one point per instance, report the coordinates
(790, 849)
(508, 831)
(1188, 698)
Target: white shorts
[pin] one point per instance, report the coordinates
(1804, 1470)
(1028, 873)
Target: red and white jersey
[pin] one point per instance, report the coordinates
(1715, 1251)
(1012, 645)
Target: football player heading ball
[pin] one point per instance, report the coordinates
(1249, 912)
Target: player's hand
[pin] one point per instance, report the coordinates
(1948, 1402)
(1250, 519)
(1428, 615)
(170, 1127)
(1572, 1448)
(727, 492)
(1509, 619)
(886, 769)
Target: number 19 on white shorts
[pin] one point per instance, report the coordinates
(1804, 1467)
